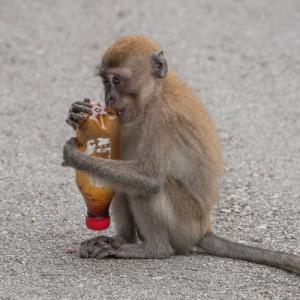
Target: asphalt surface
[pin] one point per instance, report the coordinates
(242, 57)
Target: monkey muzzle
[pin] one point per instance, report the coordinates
(120, 111)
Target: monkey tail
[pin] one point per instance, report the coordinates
(217, 246)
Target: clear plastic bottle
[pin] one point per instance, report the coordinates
(98, 136)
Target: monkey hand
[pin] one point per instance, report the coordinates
(79, 112)
(71, 153)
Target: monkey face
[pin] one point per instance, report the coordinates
(130, 75)
(128, 89)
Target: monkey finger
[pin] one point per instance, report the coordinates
(81, 108)
(77, 118)
(71, 143)
(84, 103)
(73, 124)
(64, 164)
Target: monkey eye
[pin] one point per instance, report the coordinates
(116, 80)
(105, 81)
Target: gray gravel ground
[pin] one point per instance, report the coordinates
(242, 57)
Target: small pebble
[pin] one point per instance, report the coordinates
(224, 210)
(256, 239)
(70, 250)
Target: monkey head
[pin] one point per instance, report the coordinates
(131, 70)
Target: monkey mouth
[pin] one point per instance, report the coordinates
(120, 111)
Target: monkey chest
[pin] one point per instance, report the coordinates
(130, 147)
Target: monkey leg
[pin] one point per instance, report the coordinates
(123, 218)
(155, 244)
(151, 228)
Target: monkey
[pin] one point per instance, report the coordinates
(167, 180)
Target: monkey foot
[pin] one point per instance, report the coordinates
(100, 247)
(141, 250)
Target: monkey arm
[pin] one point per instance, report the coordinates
(130, 176)
(126, 175)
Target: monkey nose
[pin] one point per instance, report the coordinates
(110, 101)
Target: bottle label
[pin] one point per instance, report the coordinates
(100, 146)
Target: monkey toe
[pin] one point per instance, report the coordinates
(95, 248)
(117, 242)
(101, 250)
(83, 252)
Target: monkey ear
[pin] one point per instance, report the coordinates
(159, 64)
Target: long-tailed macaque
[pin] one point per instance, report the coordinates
(167, 179)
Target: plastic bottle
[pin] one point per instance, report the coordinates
(98, 136)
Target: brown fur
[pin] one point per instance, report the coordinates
(134, 46)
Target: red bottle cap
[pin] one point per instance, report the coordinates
(97, 223)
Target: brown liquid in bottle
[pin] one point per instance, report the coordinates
(98, 136)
